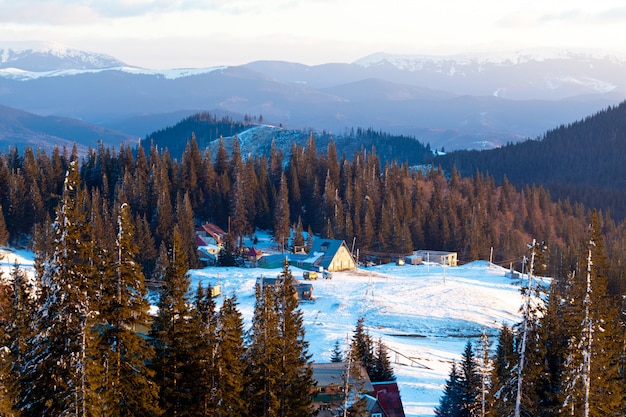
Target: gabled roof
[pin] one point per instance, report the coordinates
(325, 250)
(213, 230)
(254, 252)
(331, 374)
(388, 396)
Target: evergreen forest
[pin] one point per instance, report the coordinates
(582, 161)
(106, 224)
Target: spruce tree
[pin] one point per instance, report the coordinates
(382, 370)
(450, 404)
(361, 349)
(263, 356)
(503, 379)
(202, 354)
(337, 353)
(8, 383)
(55, 367)
(298, 236)
(16, 317)
(4, 233)
(469, 383)
(230, 396)
(593, 379)
(281, 231)
(240, 197)
(228, 255)
(296, 378)
(124, 383)
(171, 332)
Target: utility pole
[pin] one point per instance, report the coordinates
(520, 368)
(589, 335)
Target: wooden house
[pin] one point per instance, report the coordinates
(209, 241)
(329, 395)
(325, 255)
(211, 233)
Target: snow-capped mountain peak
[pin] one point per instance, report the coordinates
(51, 56)
(420, 62)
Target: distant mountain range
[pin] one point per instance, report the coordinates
(453, 102)
(20, 129)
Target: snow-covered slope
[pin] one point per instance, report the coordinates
(425, 314)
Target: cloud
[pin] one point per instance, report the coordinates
(616, 14)
(34, 12)
(63, 12)
(563, 16)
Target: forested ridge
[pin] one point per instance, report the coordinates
(65, 208)
(582, 161)
(208, 128)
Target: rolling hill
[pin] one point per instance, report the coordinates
(582, 161)
(21, 129)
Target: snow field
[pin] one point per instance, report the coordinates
(424, 314)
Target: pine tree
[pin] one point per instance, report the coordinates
(594, 384)
(450, 403)
(171, 332)
(147, 253)
(281, 214)
(263, 356)
(4, 233)
(240, 197)
(503, 379)
(337, 354)
(382, 371)
(55, 368)
(186, 226)
(202, 354)
(296, 378)
(230, 398)
(8, 383)
(469, 383)
(298, 236)
(530, 369)
(162, 221)
(361, 349)
(16, 318)
(124, 382)
(228, 255)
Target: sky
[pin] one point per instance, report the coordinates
(161, 34)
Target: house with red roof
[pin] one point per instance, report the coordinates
(388, 396)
